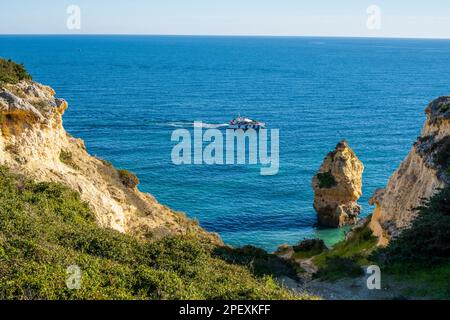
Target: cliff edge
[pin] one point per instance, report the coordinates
(425, 170)
(33, 142)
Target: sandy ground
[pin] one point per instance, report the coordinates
(347, 289)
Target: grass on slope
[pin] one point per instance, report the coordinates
(419, 258)
(421, 254)
(347, 257)
(45, 228)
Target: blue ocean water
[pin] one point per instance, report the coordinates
(127, 94)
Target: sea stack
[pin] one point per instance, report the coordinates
(337, 187)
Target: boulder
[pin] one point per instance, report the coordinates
(337, 187)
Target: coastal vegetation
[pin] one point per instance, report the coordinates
(128, 179)
(445, 107)
(309, 248)
(45, 228)
(66, 157)
(11, 72)
(347, 257)
(326, 180)
(421, 253)
(443, 154)
(260, 262)
(419, 257)
(427, 241)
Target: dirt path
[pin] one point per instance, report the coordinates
(347, 289)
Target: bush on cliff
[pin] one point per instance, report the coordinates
(443, 154)
(427, 241)
(421, 254)
(66, 157)
(419, 258)
(45, 228)
(326, 180)
(347, 257)
(308, 248)
(444, 107)
(11, 72)
(128, 179)
(259, 261)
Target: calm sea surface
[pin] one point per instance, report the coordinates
(127, 94)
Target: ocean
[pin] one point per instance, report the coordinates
(127, 94)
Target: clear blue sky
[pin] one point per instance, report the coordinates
(399, 18)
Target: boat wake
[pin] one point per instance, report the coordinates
(190, 124)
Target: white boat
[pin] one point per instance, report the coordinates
(245, 123)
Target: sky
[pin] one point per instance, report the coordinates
(355, 18)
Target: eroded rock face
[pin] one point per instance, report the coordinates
(420, 175)
(337, 187)
(34, 142)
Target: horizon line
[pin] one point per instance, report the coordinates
(228, 35)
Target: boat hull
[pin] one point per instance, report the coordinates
(245, 126)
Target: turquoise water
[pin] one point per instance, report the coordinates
(128, 93)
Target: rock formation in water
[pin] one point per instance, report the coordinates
(337, 187)
(34, 142)
(420, 175)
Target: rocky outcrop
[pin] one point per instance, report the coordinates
(310, 245)
(34, 142)
(420, 175)
(337, 187)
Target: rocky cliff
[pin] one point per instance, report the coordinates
(337, 187)
(420, 175)
(34, 142)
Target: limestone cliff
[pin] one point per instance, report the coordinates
(337, 187)
(425, 169)
(34, 142)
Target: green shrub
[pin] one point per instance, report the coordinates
(309, 248)
(443, 153)
(356, 250)
(421, 254)
(67, 158)
(326, 180)
(45, 228)
(444, 107)
(258, 261)
(11, 72)
(128, 179)
(39, 104)
(337, 267)
(427, 241)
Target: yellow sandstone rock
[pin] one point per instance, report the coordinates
(34, 142)
(420, 175)
(337, 187)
